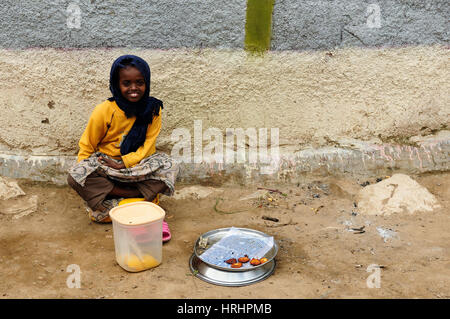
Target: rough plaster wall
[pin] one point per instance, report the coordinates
(122, 23)
(312, 97)
(322, 24)
(330, 78)
(161, 24)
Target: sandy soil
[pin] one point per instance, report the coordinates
(319, 256)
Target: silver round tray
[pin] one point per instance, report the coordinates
(214, 236)
(229, 278)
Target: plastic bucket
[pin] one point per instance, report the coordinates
(137, 229)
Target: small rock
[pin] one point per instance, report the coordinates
(194, 192)
(365, 184)
(386, 233)
(397, 194)
(258, 194)
(19, 207)
(9, 189)
(347, 223)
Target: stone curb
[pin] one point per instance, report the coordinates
(355, 158)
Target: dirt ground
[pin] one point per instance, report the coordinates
(319, 255)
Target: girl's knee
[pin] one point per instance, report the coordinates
(72, 183)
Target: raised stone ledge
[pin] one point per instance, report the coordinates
(350, 157)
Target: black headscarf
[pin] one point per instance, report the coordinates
(144, 110)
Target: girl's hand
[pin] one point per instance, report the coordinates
(110, 163)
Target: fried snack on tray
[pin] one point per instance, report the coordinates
(244, 259)
(255, 262)
(231, 261)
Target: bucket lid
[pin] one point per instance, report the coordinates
(137, 213)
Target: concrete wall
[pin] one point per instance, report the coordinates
(134, 24)
(325, 24)
(158, 24)
(333, 73)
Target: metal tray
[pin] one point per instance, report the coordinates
(228, 278)
(214, 236)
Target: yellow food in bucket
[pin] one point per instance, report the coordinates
(138, 199)
(131, 200)
(133, 261)
(147, 261)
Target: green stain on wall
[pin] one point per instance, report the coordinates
(258, 27)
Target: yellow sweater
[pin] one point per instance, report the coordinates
(106, 129)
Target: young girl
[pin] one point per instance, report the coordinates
(117, 157)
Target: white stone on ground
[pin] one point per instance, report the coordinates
(13, 200)
(397, 194)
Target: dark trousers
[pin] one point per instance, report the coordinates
(97, 187)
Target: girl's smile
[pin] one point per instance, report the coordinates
(131, 84)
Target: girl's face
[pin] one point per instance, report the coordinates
(131, 83)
